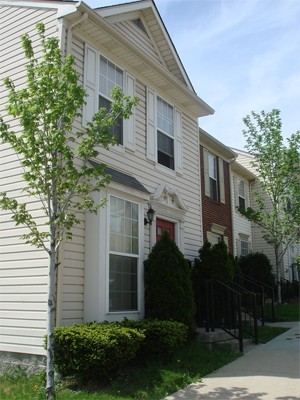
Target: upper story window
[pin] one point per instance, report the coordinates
(100, 77)
(214, 176)
(242, 198)
(109, 77)
(165, 134)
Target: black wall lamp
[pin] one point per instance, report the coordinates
(150, 215)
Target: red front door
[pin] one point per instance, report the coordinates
(162, 226)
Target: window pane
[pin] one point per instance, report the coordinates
(165, 144)
(123, 226)
(165, 117)
(242, 189)
(244, 248)
(122, 283)
(212, 166)
(242, 202)
(213, 189)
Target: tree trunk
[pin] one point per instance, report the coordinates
(278, 275)
(50, 389)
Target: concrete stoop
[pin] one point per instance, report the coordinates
(222, 339)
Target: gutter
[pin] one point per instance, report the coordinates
(80, 21)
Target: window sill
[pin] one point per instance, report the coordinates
(118, 148)
(165, 170)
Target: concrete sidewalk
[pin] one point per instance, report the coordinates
(268, 372)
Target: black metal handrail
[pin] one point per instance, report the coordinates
(263, 289)
(249, 308)
(224, 310)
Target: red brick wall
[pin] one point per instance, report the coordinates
(215, 211)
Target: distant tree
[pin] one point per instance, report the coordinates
(168, 286)
(54, 156)
(277, 201)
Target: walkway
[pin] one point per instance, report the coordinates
(268, 372)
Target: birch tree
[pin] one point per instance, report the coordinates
(54, 156)
(277, 201)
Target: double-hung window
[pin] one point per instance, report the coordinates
(123, 255)
(213, 176)
(241, 194)
(100, 76)
(164, 133)
(110, 76)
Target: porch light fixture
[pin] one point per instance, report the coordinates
(150, 215)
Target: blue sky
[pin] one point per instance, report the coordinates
(240, 55)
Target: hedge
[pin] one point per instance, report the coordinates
(162, 338)
(95, 350)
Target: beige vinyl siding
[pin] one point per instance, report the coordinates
(23, 268)
(150, 176)
(139, 38)
(71, 273)
(241, 226)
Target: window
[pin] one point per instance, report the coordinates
(217, 234)
(243, 245)
(100, 77)
(213, 176)
(242, 200)
(215, 239)
(123, 255)
(244, 248)
(109, 77)
(165, 134)
(212, 170)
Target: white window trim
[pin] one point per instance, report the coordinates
(111, 315)
(243, 238)
(217, 230)
(237, 181)
(152, 134)
(91, 83)
(220, 176)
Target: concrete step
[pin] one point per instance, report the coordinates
(222, 338)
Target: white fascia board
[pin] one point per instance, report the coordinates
(109, 11)
(62, 8)
(142, 5)
(214, 144)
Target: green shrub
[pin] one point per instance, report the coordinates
(168, 286)
(214, 262)
(95, 350)
(257, 266)
(162, 338)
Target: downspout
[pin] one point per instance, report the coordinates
(81, 20)
(232, 199)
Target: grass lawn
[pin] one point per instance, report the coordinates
(287, 312)
(153, 381)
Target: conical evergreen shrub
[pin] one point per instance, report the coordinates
(168, 286)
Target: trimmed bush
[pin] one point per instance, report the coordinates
(215, 263)
(168, 286)
(257, 266)
(95, 350)
(162, 338)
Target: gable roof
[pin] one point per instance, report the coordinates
(95, 27)
(147, 11)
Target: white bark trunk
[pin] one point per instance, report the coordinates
(50, 392)
(278, 275)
